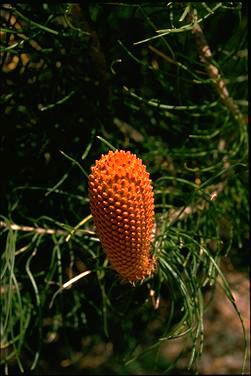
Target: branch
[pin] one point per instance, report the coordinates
(40, 230)
(217, 80)
(175, 214)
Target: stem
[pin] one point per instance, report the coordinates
(38, 230)
(217, 80)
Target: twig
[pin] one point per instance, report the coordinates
(182, 213)
(40, 230)
(217, 80)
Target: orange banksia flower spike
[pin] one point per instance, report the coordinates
(122, 205)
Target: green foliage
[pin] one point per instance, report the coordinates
(80, 80)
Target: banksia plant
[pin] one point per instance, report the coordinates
(122, 205)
